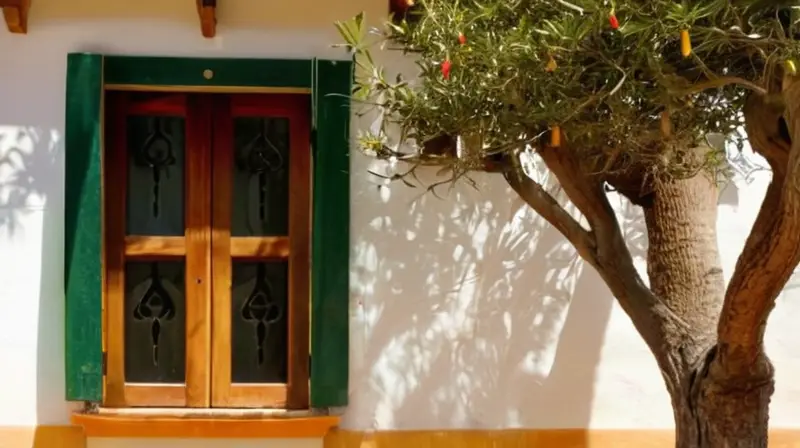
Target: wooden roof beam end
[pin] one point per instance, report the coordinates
(208, 17)
(15, 13)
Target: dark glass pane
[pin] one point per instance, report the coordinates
(155, 322)
(259, 329)
(260, 177)
(155, 175)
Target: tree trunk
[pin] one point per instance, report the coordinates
(715, 412)
(684, 267)
(711, 408)
(711, 357)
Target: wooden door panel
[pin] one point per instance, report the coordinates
(261, 251)
(156, 324)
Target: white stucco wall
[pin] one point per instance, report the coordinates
(467, 311)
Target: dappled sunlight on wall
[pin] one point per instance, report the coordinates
(24, 151)
(459, 302)
(469, 311)
(20, 239)
(31, 275)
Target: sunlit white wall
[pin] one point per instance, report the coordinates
(488, 320)
(467, 310)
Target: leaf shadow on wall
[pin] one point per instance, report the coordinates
(467, 312)
(31, 215)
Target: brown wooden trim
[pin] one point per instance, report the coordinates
(209, 249)
(167, 105)
(115, 209)
(300, 255)
(278, 105)
(221, 252)
(217, 413)
(296, 246)
(165, 395)
(137, 246)
(276, 247)
(257, 396)
(15, 13)
(118, 248)
(198, 252)
(207, 10)
(175, 427)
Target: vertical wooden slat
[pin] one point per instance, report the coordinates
(198, 252)
(331, 237)
(83, 227)
(115, 209)
(299, 254)
(221, 250)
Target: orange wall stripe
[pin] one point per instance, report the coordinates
(73, 437)
(543, 438)
(42, 437)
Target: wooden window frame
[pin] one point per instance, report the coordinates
(88, 77)
(208, 250)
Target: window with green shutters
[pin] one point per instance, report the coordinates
(192, 223)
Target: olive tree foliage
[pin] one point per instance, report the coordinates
(499, 75)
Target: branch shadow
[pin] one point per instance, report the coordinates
(461, 312)
(31, 225)
(31, 218)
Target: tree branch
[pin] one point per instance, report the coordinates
(772, 250)
(587, 193)
(548, 208)
(612, 259)
(725, 81)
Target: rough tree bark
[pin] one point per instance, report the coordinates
(685, 272)
(732, 389)
(707, 340)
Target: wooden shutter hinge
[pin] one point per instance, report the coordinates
(104, 363)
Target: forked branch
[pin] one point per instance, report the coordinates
(772, 250)
(608, 252)
(548, 208)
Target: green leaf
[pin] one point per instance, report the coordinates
(630, 28)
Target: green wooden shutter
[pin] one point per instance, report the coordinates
(83, 224)
(331, 237)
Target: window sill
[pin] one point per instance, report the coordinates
(212, 423)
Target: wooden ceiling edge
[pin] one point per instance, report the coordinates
(15, 13)
(207, 9)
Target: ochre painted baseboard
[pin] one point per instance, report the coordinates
(545, 438)
(73, 437)
(42, 437)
